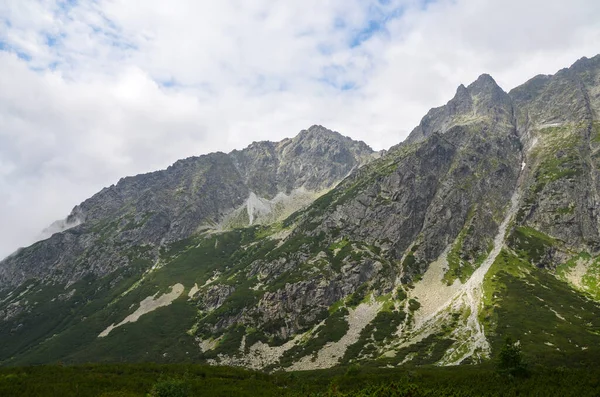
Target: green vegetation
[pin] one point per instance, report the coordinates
(457, 267)
(413, 305)
(556, 325)
(170, 388)
(383, 327)
(462, 263)
(530, 243)
(332, 330)
(358, 296)
(64, 324)
(557, 159)
(178, 380)
(560, 157)
(385, 324)
(510, 359)
(589, 283)
(401, 294)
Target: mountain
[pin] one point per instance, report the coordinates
(265, 181)
(315, 251)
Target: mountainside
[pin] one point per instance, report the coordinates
(315, 251)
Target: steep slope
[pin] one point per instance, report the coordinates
(483, 223)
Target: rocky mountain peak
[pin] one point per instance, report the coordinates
(481, 99)
(484, 83)
(317, 134)
(569, 96)
(319, 129)
(585, 63)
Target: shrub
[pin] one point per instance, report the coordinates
(170, 388)
(510, 359)
(413, 305)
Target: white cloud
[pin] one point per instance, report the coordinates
(91, 91)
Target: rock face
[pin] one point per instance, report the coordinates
(483, 99)
(415, 254)
(560, 114)
(456, 172)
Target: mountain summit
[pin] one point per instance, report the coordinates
(314, 251)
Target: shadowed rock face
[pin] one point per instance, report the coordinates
(456, 171)
(560, 114)
(464, 171)
(193, 194)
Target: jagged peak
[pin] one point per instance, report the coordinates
(484, 77)
(318, 130)
(584, 63)
(462, 93)
(484, 83)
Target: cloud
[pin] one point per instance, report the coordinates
(91, 91)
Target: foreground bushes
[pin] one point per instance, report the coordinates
(143, 380)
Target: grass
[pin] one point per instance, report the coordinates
(530, 243)
(555, 324)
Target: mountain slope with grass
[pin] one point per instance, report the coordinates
(316, 252)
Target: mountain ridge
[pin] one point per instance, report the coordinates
(200, 192)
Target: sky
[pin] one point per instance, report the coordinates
(91, 91)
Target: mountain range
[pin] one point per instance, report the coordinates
(317, 251)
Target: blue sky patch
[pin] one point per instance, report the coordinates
(8, 48)
(376, 22)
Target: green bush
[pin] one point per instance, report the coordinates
(170, 388)
(413, 305)
(510, 359)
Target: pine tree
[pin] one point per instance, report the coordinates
(510, 359)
